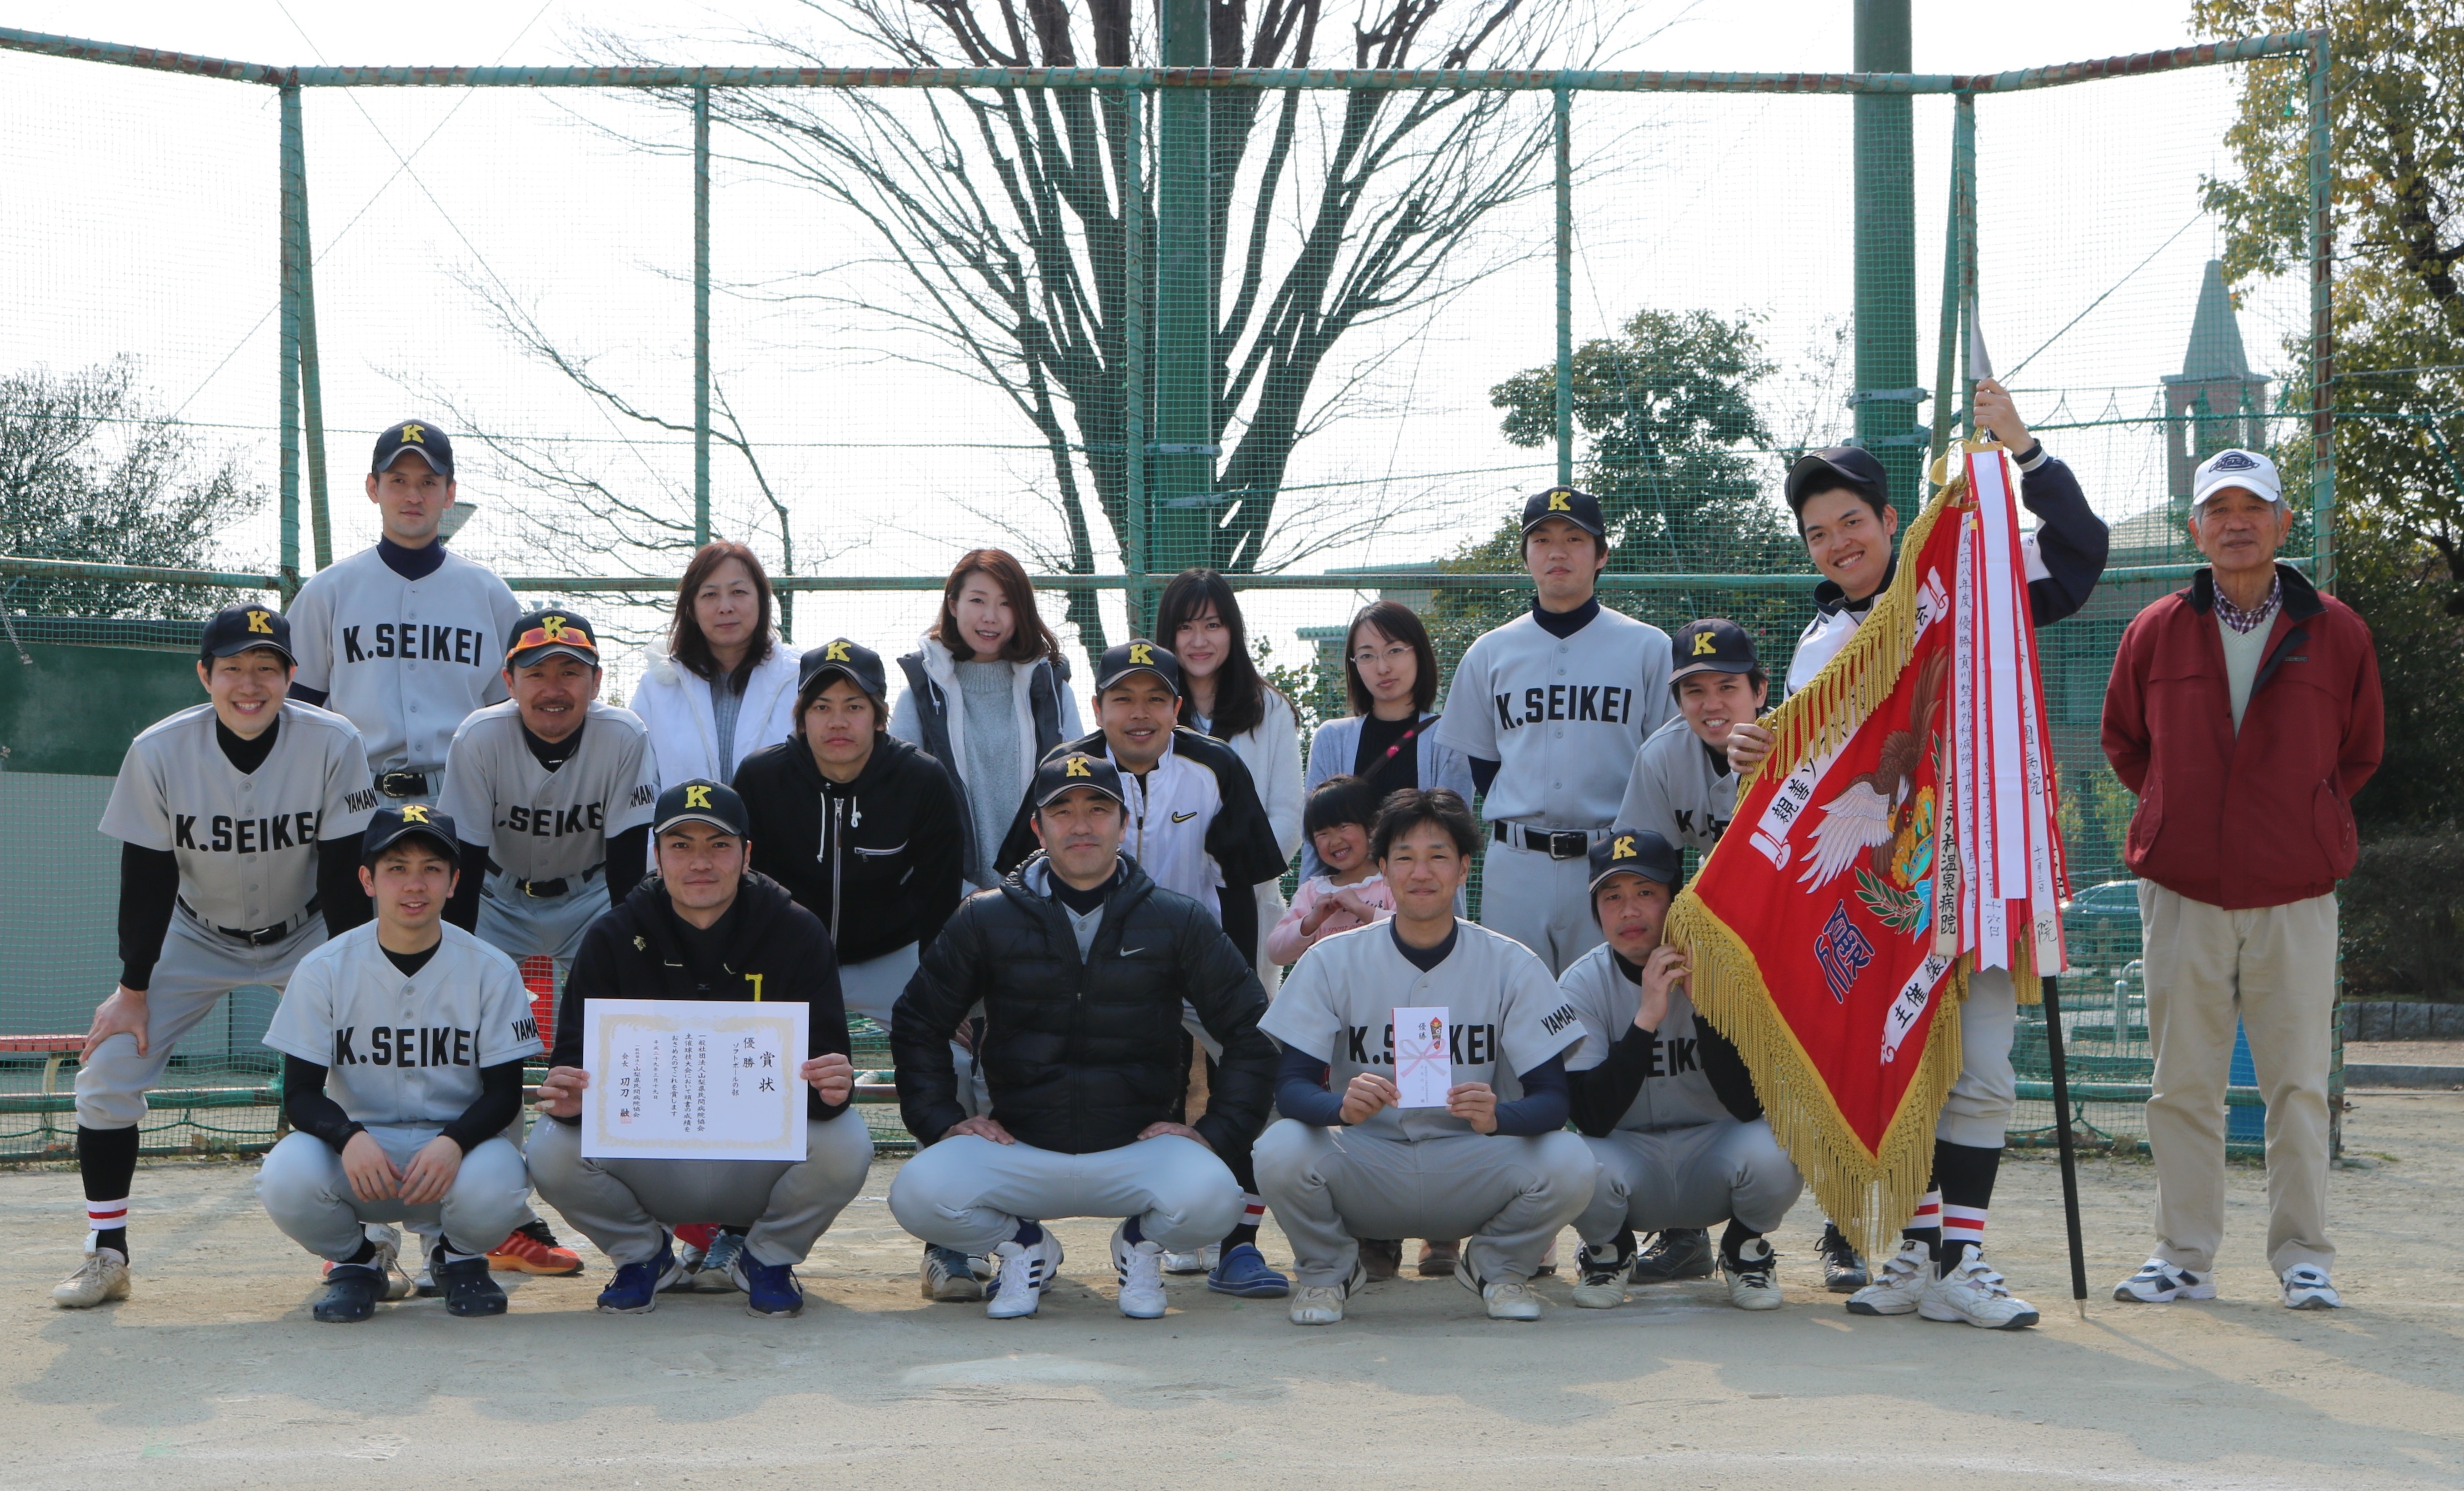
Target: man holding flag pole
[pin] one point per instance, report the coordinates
(1917, 761)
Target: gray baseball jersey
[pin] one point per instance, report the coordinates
(1679, 790)
(1675, 1091)
(1562, 715)
(1504, 1015)
(405, 1050)
(246, 842)
(542, 824)
(405, 659)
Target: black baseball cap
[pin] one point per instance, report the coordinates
(1635, 851)
(1713, 644)
(1571, 503)
(423, 437)
(852, 661)
(1059, 774)
(1138, 655)
(543, 634)
(700, 801)
(1836, 466)
(235, 630)
(389, 825)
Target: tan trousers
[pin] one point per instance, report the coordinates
(2275, 968)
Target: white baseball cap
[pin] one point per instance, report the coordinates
(2248, 470)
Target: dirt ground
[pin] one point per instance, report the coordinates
(213, 1374)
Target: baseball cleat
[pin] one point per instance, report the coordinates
(1438, 1259)
(1843, 1272)
(531, 1249)
(1021, 1273)
(469, 1292)
(1322, 1303)
(1382, 1257)
(102, 1276)
(1753, 1275)
(1973, 1294)
(1507, 1298)
(2160, 1283)
(1139, 1266)
(1675, 1253)
(950, 1276)
(714, 1271)
(1245, 1274)
(771, 1291)
(1600, 1274)
(635, 1288)
(1903, 1284)
(351, 1294)
(2306, 1289)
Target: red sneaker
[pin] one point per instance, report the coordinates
(533, 1250)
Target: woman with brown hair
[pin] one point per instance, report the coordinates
(720, 687)
(987, 694)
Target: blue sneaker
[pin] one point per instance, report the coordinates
(770, 1290)
(635, 1288)
(1243, 1272)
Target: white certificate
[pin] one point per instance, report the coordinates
(1424, 1069)
(684, 1078)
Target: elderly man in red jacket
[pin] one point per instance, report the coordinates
(2244, 712)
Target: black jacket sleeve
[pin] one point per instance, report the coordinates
(1602, 1094)
(1301, 1091)
(312, 1112)
(1241, 838)
(1217, 981)
(629, 858)
(1731, 1080)
(499, 1102)
(338, 885)
(942, 862)
(463, 910)
(1240, 905)
(938, 998)
(149, 884)
(2071, 539)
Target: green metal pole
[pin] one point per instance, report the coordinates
(1134, 274)
(295, 189)
(1184, 447)
(312, 394)
(1954, 238)
(1886, 262)
(701, 316)
(1565, 289)
(2322, 323)
(1966, 387)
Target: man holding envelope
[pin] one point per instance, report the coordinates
(1424, 1084)
(703, 929)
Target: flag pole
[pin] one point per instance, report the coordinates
(2062, 1139)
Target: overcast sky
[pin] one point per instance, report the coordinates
(155, 236)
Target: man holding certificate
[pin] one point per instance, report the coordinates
(1081, 964)
(694, 1013)
(1424, 1084)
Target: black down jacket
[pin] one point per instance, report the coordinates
(1081, 1055)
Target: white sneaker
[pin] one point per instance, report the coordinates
(1753, 1279)
(2160, 1283)
(1510, 1299)
(1317, 1305)
(2305, 1288)
(1901, 1286)
(1022, 1275)
(1139, 1266)
(1973, 1294)
(1196, 1260)
(102, 1276)
(1600, 1274)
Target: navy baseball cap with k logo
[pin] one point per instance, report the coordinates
(1138, 655)
(1570, 503)
(543, 634)
(852, 661)
(1060, 774)
(389, 826)
(422, 438)
(700, 801)
(242, 628)
(1713, 644)
(1635, 851)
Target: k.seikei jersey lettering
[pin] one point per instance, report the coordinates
(406, 660)
(1561, 716)
(542, 824)
(1678, 790)
(404, 1049)
(1677, 1091)
(1505, 1011)
(244, 840)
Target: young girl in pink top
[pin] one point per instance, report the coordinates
(1351, 894)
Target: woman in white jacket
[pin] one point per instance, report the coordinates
(1198, 621)
(987, 694)
(722, 686)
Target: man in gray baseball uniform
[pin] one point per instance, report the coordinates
(1664, 1101)
(403, 1041)
(1550, 709)
(1348, 1160)
(239, 823)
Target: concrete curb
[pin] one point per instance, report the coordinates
(2377, 1074)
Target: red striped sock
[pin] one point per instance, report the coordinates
(107, 1215)
(1962, 1226)
(1926, 1226)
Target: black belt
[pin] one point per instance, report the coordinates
(545, 889)
(259, 936)
(1556, 845)
(402, 784)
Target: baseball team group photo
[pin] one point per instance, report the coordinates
(1891, 912)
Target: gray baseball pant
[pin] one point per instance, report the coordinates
(197, 968)
(1542, 903)
(1977, 1113)
(625, 1207)
(523, 926)
(309, 1197)
(968, 1193)
(1697, 1175)
(1508, 1195)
